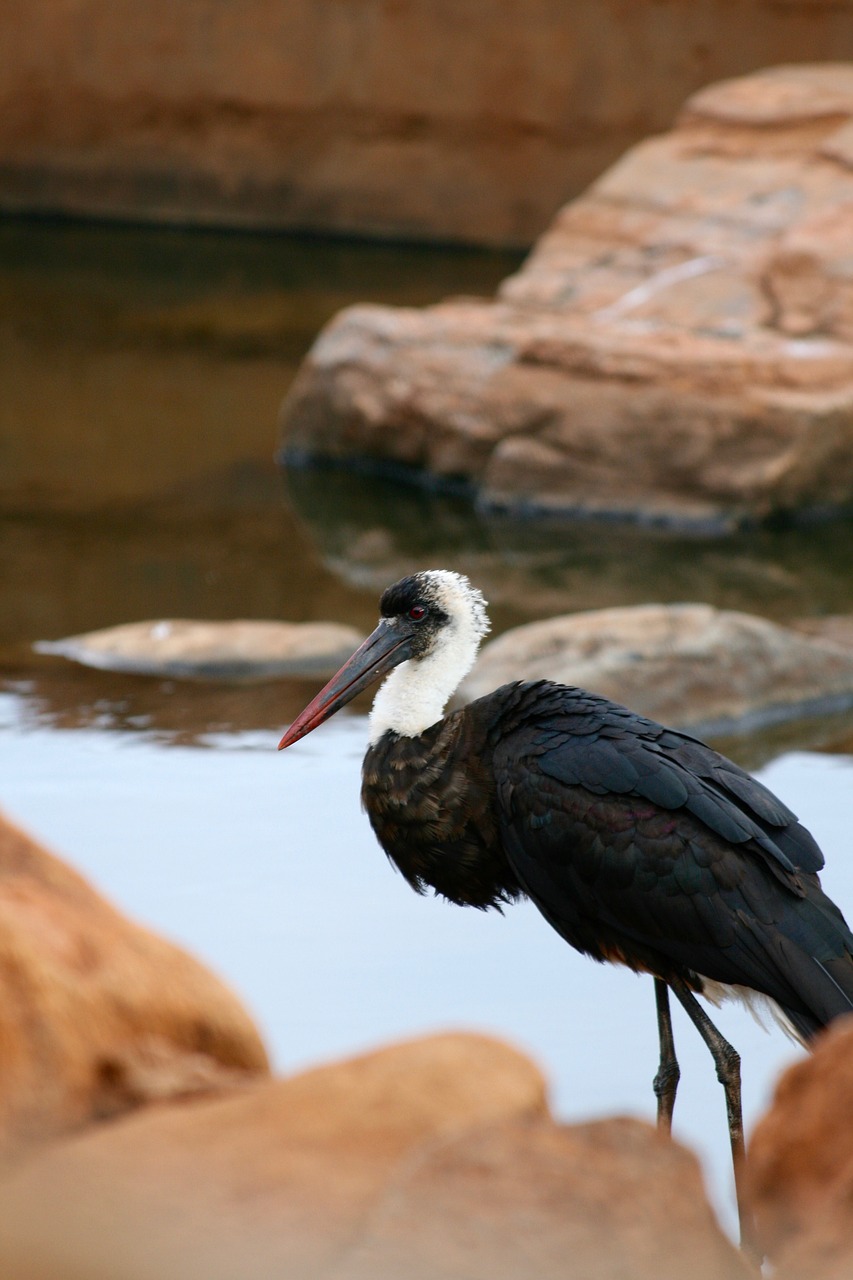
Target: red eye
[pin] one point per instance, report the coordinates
(417, 612)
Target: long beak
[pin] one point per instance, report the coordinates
(383, 649)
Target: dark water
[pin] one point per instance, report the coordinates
(142, 375)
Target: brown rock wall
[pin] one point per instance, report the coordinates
(464, 119)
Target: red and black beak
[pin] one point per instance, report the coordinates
(384, 649)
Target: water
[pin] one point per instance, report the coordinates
(142, 373)
(262, 864)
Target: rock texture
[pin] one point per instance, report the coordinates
(801, 1164)
(97, 1015)
(241, 650)
(472, 120)
(678, 347)
(595, 1201)
(688, 665)
(428, 1159)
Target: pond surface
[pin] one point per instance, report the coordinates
(143, 373)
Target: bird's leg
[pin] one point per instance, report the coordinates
(666, 1081)
(727, 1062)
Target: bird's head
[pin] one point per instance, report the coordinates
(434, 621)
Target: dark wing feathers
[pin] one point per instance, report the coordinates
(642, 844)
(635, 764)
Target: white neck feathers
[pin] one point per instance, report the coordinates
(415, 694)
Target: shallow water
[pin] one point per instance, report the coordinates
(142, 375)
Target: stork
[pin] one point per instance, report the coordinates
(639, 844)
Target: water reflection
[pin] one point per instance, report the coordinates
(134, 360)
(143, 372)
(370, 530)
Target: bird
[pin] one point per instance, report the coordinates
(639, 844)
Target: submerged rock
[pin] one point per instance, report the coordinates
(677, 348)
(98, 1016)
(434, 1158)
(241, 650)
(687, 665)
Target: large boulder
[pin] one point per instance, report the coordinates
(97, 1015)
(434, 1158)
(678, 347)
(801, 1164)
(687, 665)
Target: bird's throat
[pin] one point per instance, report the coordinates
(414, 696)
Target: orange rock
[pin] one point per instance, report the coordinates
(97, 1015)
(585, 1202)
(431, 1160)
(279, 1179)
(801, 1164)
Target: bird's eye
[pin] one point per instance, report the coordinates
(417, 612)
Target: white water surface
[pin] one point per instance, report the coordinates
(263, 865)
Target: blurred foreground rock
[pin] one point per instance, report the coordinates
(597, 1201)
(238, 650)
(430, 1160)
(801, 1164)
(97, 1015)
(688, 665)
(678, 347)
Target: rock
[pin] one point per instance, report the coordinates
(278, 1179)
(432, 1159)
(97, 1015)
(688, 665)
(835, 628)
(801, 1164)
(370, 532)
(678, 348)
(556, 1202)
(239, 650)
(359, 118)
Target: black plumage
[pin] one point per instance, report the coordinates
(639, 844)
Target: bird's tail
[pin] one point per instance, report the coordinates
(817, 955)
